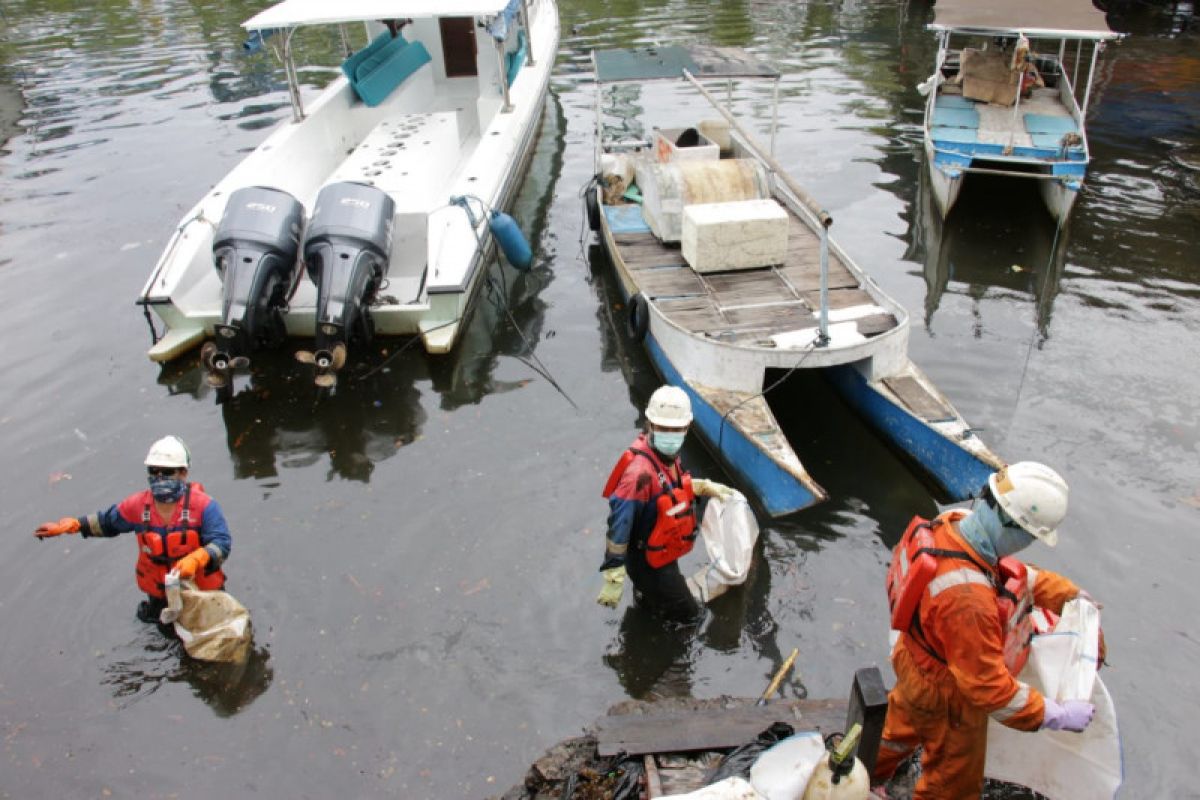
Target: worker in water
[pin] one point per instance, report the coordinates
(178, 527)
(965, 620)
(652, 519)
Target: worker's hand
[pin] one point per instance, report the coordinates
(706, 488)
(192, 562)
(614, 583)
(64, 525)
(1073, 715)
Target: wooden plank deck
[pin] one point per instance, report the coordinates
(749, 304)
(712, 729)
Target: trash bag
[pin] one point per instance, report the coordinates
(620, 779)
(784, 770)
(737, 762)
(730, 532)
(733, 788)
(1061, 765)
(213, 626)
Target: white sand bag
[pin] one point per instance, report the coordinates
(730, 531)
(213, 626)
(783, 771)
(1059, 764)
(732, 788)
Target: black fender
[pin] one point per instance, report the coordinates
(637, 319)
(592, 204)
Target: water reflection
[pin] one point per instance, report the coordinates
(999, 240)
(154, 661)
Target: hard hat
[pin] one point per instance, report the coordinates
(169, 451)
(670, 407)
(1033, 495)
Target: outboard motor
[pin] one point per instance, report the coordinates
(346, 252)
(254, 250)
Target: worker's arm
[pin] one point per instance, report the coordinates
(625, 506)
(965, 621)
(214, 534)
(1051, 591)
(114, 520)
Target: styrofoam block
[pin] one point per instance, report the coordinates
(743, 234)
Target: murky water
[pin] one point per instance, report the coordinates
(419, 551)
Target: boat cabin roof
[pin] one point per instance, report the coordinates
(659, 63)
(1061, 19)
(294, 13)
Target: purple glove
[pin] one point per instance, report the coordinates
(1073, 715)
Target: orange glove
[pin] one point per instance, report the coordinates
(193, 561)
(64, 525)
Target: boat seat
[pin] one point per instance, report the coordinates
(1048, 130)
(956, 135)
(955, 117)
(383, 65)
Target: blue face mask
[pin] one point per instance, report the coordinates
(167, 490)
(668, 442)
(991, 533)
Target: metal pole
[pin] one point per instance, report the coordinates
(823, 217)
(599, 117)
(1087, 95)
(774, 114)
(528, 34)
(289, 68)
(823, 335)
(507, 107)
(1075, 69)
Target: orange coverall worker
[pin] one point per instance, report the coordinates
(945, 694)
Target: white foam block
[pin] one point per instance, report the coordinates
(743, 234)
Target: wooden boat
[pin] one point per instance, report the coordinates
(725, 319)
(404, 162)
(1004, 97)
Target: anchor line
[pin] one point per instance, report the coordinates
(402, 348)
(1033, 337)
(539, 368)
(721, 430)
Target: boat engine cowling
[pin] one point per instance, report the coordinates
(255, 251)
(346, 252)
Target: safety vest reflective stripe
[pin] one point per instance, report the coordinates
(1031, 576)
(1019, 700)
(957, 577)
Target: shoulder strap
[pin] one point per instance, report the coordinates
(664, 476)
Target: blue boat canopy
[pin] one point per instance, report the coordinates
(657, 63)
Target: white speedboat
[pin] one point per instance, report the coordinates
(375, 208)
(1004, 97)
(733, 282)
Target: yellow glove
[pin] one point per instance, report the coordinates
(192, 562)
(706, 488)
(614, 584)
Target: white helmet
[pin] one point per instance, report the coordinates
(1034, 496)
(169, 451)
(670, 407)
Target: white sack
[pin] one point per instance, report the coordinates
(1059, 764)
(783, 771)
(730, 531)
(732, 788)
(213, 626)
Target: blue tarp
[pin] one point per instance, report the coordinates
(626, 219)
(498, 27)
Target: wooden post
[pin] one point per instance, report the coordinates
(868, 707)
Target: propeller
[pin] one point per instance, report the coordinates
(216, 366)
(327, 362)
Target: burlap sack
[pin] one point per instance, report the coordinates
(986, 76)
(213, 626)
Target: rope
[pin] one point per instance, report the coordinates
(763, 393)
(1033, 338)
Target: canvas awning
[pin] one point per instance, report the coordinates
(1060, 19)
(294, 13)
(656, 63)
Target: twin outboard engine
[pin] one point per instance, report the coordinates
(346, 252)
(254, 250)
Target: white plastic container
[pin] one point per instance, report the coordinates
(855, 786)
(174, 600)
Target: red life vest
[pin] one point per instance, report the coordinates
(157, 553)
(674, 531)
(914, 565)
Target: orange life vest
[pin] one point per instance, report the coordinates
(914, 565)
(674, 531)
(157, 553)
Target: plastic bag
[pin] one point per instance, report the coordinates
(737, 762)
(732, 788)
(1058, 764)
(213, 626)
(729, 531)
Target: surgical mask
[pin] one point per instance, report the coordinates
(668, 442)
(167, 490)
(991, 533)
